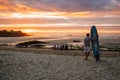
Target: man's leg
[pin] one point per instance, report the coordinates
(88, 54)
(88, 51)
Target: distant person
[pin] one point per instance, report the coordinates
(66, 47)
(55, 47)
(87, 41)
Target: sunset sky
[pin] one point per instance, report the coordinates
(60, 16)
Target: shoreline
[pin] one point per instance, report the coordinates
(105, 42)
(58, 52)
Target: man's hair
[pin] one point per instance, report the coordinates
(87, 34)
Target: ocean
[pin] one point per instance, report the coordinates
(105, 32)
(15, 40)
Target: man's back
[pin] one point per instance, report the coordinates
(87, 41)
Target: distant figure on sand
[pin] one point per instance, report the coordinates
(87, 41)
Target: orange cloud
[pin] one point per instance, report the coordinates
(24, 8)
(7, 6)
(77, 14)
(53, 9)
(3, 7)
(5, 1)
(89, 14)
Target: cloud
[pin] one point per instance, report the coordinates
(75, 21)
(114, 5)
(59, 11)
(11, 6)
(60, 5)
(67, 6)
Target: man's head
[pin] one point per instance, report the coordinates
(87, 34)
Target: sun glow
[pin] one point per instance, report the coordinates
(29, 30)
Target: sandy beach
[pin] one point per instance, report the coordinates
(49, 64)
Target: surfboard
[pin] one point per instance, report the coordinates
(95, 43)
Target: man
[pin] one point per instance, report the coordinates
(87, 41)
